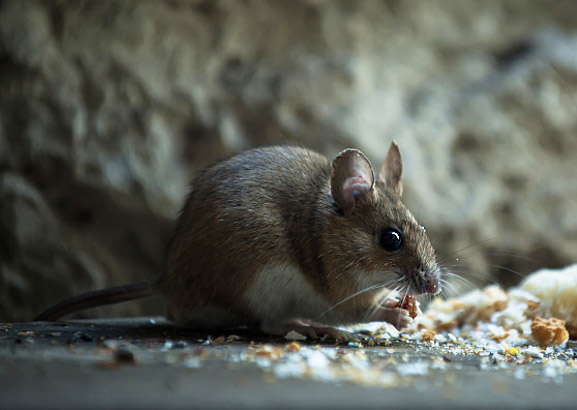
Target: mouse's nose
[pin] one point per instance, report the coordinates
(428, 281)
(432, 287)
(432, 281)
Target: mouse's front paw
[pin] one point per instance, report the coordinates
(400, 318)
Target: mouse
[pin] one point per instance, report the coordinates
(281, 238)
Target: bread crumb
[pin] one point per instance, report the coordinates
(557, 291)
(549, 332)
(410, 304)
(293, 347)
(533, 307)
(269, 352)
(428, 335)
(219, 340)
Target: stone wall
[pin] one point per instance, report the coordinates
(108, 108)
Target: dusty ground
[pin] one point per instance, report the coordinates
(141, 364)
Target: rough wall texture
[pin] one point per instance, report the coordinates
(108, 108)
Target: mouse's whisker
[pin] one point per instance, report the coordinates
(357, 262)
(379, 304)
(428, 299)
(405, 292)
(449, 290)
(455, 254)
(465, 256)
(464, 278)
(513, 271)
(444, 293)
(393, 287)
(370, 313)
(349, 298)
(513, 254)
(448, 287)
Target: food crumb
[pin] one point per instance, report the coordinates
(218, 341)
(269, 352)
(549, 332)
(294, 346)
(410, 304)
(428, 335)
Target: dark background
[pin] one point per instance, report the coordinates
(108, 108)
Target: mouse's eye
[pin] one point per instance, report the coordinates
(391, 239)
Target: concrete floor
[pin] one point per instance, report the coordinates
(137, 364)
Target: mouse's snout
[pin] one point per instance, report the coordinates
(432, 287)
(429, 280)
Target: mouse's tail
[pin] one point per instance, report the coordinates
(96, 298)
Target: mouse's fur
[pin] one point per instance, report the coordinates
(278, 233)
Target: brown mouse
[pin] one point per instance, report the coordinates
(280, 239)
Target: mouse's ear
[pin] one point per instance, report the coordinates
(392, 170)
(352, 179)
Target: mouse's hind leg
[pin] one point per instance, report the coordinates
(308, 328)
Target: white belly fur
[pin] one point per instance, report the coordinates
(282, 293)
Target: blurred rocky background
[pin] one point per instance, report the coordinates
(108, 108)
